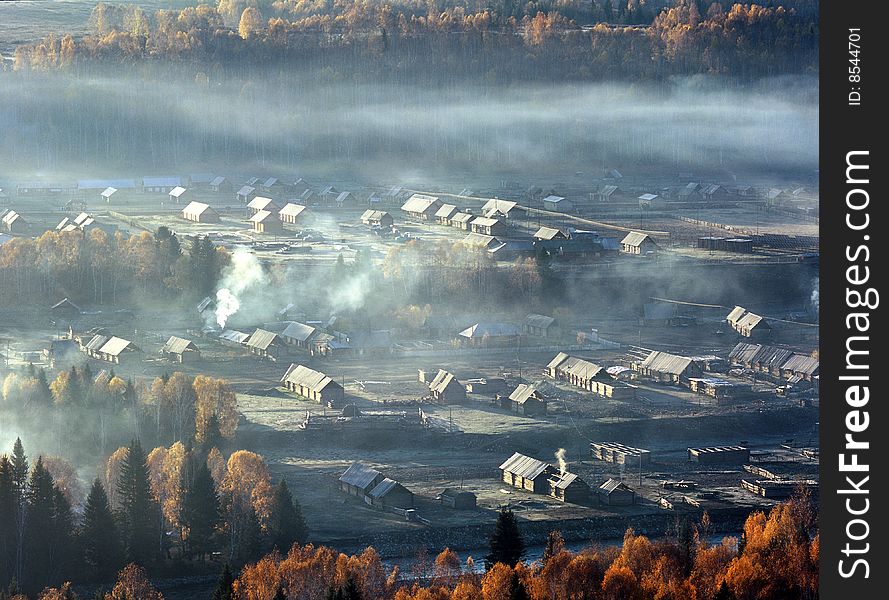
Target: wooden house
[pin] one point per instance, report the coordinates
(616, 493)
(639, 244)
(221, 185)
(446, 389)
(377, 218)
(291, 212)
(359, 479)
(180, 350)
(421, 207)
(540, 326)
(313, 385)
(200, 213)
(457, 499)
(246, 194)
(525, 400)
(266, 344)
(526, 473)
(488, 226)
(390, 493)
(265, 222)
(568, 487)
(179, 194)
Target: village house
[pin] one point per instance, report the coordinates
(394, 196)
(298, 334)
(180, 350)
(568, 487)
(664, 367)
(390, 493)
(748, 324)
(639, 244)
(550, 233)
(359, 479)
(313, 385)
(526, 473)
(272, 185)
(377, 218)
(691, 192)
(421, 207)
(457, 499)
(108, 348)
(221, 185)
(261, 203)
(606, 193)
(265, 222)
(461, 220)
(443, 215)
(713, 193)
(14, 223)
(616, 493)
(526, 401)
(291, 212)
(160, 185)
(540, 326)
(178, 194)
(299, 187)
(246, 194)
(486, 226)
(505, 209)
(200, 213)
(802, 366)
(345, 199)
(652, 202)
(445, 388)
(107, 194)
(557, 204)
(266, 344)
(65, 309)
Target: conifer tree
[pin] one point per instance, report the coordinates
(200, 511)
(224, 585)
(286, 523)
(99, 538)
(137, 513)
(38, 529)
(506, 543)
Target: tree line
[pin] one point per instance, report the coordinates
(103, 268)
(396, 42)
(171, 504)
(87, 414)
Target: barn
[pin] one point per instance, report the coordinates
(313, 385)
(359, 479)
(200, 213)
(390, 493)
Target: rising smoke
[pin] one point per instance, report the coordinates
(243, 274)
(563, 465)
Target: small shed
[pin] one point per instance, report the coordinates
(557, 204)
(179, 350)
(616, 493)
(458, 499)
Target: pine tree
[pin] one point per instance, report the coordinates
(19, 466)
(8, 511)
(42, 394)
(62, 542)
(555, 543)
(506, 543)
(286, 524)
(38, 530)
(19, 471)
(137, 508)
(224, 585)
(99, 541)
(200, 510)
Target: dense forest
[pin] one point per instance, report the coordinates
(424, 43)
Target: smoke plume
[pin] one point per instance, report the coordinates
(243, 274)
(563, 466)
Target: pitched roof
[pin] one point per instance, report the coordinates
(751, 320)
(343, 196)
(461, 217)
(613, 485)
(564, 480)
(360, 476)
(608, 190)
(373, 215)
(270, 182)
(523, 393)
(419, 203)
(664, 362)
(109, 191)
(298, 331)
(116, 345)
(558, 360)
(261, 216)
(553, 199)
(582, 369)
(384, 487)
(524, 466)
(217, 181)
(479, 240)
(177, 191)
(262, 203)
(634, 238)
(549, 233)
(64, 303)
(442, 380)
(446, 211)
(496, 206)
(735, 314)
(744, 353)
(246, 190)
(262, 339)
(485, 222)
(302, 375)
(801, 363)
(542, 321)
(490, 329)
(195, 208)
(648, 197)
(96, 342)
(291, 210)
(232, 335)
(178, 345)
